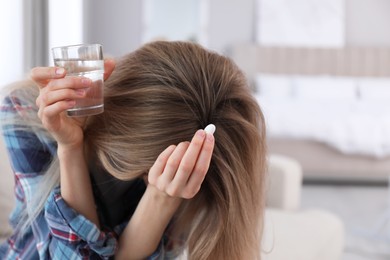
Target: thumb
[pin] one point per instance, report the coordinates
(109, 66)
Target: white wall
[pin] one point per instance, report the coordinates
(368, 22)
(161, 16)
(117, 25)
(65, 24)
(11, 43)
(230, 22)
(301, 23)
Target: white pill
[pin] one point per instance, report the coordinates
(210, 129)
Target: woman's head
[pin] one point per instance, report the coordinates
(160, 95)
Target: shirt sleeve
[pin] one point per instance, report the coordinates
(28, 155)
(73, 233)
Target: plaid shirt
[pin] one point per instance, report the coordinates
(58, 232)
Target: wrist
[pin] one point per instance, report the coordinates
(67, 149)
(71, 155)
(161, 198)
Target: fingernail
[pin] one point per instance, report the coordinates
(86, 82)
(80, 92)
(201, 133)
(210, 138)
(60, 71)
(71, 103)
(109, 60)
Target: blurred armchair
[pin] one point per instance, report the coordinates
(289, 231)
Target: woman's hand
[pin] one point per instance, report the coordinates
(180, 170)
(57, 94)
(177, 174)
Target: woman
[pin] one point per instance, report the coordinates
(128, 183)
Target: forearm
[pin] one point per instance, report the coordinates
(76, 188)
(147, 225)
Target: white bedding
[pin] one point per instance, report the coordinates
(351, 125)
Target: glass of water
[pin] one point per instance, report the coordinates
(84, 60)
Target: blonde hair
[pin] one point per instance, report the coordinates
(21, 96)
(160, 95)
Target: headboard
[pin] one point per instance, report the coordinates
(348, 61)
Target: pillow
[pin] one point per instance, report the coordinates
(374, 88)
(325, 87)
(274, 86)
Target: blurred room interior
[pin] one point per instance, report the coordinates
(320, 70)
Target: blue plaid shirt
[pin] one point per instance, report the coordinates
(58, 232)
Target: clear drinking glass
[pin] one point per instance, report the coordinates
(84, 60)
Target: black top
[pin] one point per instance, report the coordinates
(115, 199)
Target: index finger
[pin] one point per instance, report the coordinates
(202, 165)
(42, 75)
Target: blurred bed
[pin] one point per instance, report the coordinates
(327, 108)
